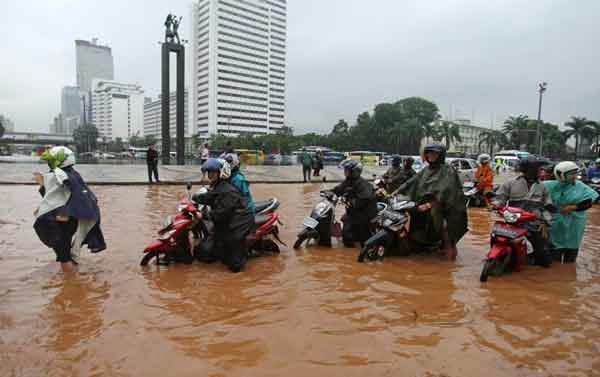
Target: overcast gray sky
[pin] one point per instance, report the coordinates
(344, 56)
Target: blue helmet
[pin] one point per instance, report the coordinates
(212, 164)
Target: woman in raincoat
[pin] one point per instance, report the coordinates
(573, 198)
(68, 216)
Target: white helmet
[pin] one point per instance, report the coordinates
(563, 168)
(232, 159)
(484, 158)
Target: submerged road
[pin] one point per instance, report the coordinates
(309, 312)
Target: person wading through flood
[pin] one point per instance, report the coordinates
(230, 214)
(527, 192)
(152, 162)
(318, 163)
(68, 216)
(573, 198)
(397, 175)
(442, 213)
(361, 204)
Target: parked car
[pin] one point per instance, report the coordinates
(466, 167)
(273, 159)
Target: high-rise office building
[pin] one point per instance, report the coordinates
(71, 107)
(153, 120)
(94, 61)
(238, 66)
(118, 109)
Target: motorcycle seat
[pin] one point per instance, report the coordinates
(261, 219)
(262, 205)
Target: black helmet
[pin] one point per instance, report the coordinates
(530, 166)
(396, 160)
(409, 160)
(354, 166)
(438, 148)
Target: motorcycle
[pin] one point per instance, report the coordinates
(321, 223)
(183, 233)
(472, 194)
(510, 248)
(594, 183)
(392, 226)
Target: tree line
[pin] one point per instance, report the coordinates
(397, 127)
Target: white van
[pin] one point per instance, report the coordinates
(507, 163)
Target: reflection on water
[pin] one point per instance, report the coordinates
(310, 311)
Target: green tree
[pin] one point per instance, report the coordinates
(517, 128)
(149, 140)
(493, 138)
(422, 110)
(2, 129)
(579, 127)
(449, 132)
(340, 128)
(136, 140)
(595, 132)
(86, 138)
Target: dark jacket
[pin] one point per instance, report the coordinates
(396, 176)
(229, 210)
(362, 198)
(151, 156)
(82, 205)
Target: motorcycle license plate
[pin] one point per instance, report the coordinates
(309, 222)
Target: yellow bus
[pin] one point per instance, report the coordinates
(250, 157)
(365, 157)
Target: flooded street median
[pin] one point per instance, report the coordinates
(311, 311)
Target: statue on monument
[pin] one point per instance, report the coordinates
(171, 28)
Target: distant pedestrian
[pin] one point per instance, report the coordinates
(152, 161)
(228, 148)
(318, 163)
(204, 153)
(307, 163)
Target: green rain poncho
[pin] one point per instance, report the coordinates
(567, 230)
(445, 184)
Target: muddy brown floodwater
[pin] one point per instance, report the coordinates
(312, 312)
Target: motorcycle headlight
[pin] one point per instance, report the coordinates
(320, 208)
(511, 217)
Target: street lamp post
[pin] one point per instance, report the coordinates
(541, 89)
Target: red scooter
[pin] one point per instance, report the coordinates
(183, 233)
(509, 245)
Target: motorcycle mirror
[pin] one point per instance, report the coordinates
(188, 186)
(324, 178)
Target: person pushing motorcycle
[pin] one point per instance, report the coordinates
(526, 190)
(229, 211)
(361, 204)
(442, 213)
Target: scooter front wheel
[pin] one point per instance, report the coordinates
(301, 238)
(371, 252)
(148, 257)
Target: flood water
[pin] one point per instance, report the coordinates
(309, 312)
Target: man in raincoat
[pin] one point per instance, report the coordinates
(68, 216)
(442, 212)
(573, 198)
(239, 181)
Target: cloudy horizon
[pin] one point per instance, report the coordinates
(480, 60)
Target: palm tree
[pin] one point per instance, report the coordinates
(514, 127)
(430, 131)
(448, 131)
(595, 130)
(493, 138)
(579, 126)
